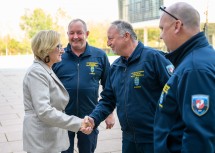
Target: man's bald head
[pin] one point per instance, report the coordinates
(187, 14)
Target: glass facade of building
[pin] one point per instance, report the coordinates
(139, 10)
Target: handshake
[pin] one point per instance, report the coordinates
(87, 125)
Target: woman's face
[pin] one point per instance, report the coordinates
(55, 55)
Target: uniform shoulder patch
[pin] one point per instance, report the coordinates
(170, 69)
(200, 104)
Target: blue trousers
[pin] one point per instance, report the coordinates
(85, 144)
(132, 147)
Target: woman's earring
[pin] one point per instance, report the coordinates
(47, 59)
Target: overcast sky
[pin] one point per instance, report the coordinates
(201, 6)
(88, 10)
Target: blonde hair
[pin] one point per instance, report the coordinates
(44, 42)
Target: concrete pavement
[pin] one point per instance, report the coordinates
(12, 112)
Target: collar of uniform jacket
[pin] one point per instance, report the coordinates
(87, 51)
(197, 41)
(134, 56)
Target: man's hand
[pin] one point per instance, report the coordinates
(110, 121)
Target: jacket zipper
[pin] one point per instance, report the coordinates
(125, 71)
(78, 79)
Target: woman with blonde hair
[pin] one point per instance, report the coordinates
(45, 124)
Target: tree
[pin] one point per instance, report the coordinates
(98, 34)
(31, 23)
(62, 20)
(2, 47)
(153, 37)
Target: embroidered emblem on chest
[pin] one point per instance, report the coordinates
(92, 66)
(136, 75)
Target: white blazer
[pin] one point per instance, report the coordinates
(45, 98)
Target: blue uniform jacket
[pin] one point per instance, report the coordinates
(185, 120)
(81, 77)
(134, 86)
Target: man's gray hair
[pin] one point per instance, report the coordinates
(79, 20)
(123, 27)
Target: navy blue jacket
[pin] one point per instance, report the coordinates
(185, 120)
(81, 77)
(134, 86)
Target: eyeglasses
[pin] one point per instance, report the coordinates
(59, 46)
(163, 9)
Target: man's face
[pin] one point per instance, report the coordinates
(115, 40)
(167, 31)
(77, 35)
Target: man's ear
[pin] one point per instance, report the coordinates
(127, 35)
(87, 33)
(178, 25)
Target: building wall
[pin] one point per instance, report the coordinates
(139, 10)
(144, 14)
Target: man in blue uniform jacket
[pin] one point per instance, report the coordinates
(133, 86)
(185, 119)
(81, 70)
